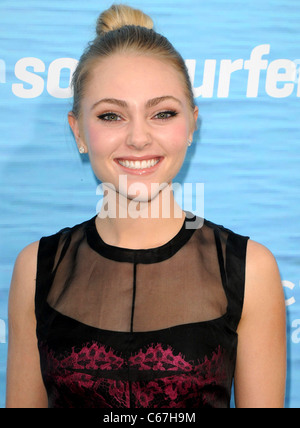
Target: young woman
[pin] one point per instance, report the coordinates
(143, 305)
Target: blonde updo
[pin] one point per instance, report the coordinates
(122, 29)
(119, 16)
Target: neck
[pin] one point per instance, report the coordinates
(134, 224)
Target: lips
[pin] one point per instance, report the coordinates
(139, 165)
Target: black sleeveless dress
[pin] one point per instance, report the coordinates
(153, 328)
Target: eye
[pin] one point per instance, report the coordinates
(109, 117)
(164, 115)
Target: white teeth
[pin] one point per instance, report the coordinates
(139, 164)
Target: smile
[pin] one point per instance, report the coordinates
(144, 164)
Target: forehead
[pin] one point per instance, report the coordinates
(134, 78)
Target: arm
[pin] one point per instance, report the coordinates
(25, 388)
(261, 360)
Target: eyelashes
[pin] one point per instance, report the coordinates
(114, 117)
(109, 117)
(165, 115)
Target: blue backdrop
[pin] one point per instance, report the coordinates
(244, 60)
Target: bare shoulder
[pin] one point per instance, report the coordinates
(27, 257)
(263, 281)
(24, 275)
(28, 254)
(23, 365)
(261, 359)
(260, 259)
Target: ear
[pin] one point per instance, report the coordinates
(74, 125)
(194, 122)
(196, 113)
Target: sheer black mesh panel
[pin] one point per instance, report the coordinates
(106, 291)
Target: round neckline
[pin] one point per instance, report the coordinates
(149, 255)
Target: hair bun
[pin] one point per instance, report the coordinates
(117, 16)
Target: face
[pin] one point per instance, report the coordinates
(135, 123)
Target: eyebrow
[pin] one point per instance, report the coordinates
(151, 103)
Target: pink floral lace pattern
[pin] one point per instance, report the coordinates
(155, 377)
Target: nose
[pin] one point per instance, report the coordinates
(139, 135)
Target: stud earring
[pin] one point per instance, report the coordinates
(81, 149)
(189, 143)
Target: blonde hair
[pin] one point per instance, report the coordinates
(122, 29)
(118, 16)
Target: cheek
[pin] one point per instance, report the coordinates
(95, 140)
(177, 135)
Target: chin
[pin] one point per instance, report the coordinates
(140, 192)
